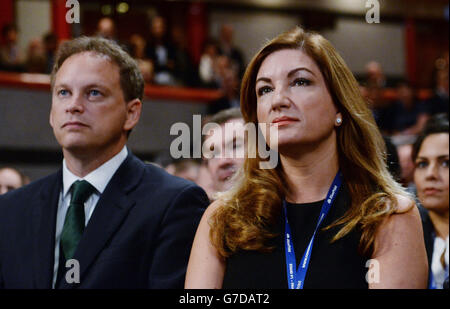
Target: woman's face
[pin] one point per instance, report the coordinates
(431, 172)
(292, 95)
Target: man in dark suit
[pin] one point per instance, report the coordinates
(105, 220)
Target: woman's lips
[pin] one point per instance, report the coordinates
(431, 191)
(280, 121)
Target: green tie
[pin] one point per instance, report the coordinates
(74, 222)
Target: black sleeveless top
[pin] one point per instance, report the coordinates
(334, 265)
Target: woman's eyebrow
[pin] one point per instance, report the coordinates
(292, 72)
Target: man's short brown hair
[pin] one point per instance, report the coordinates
(131, 80)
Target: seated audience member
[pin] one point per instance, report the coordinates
(225, 145)
(228, 81)
(128, 225)
(404, 146)
(374, 75)
(184, 71)
(439, 102)
(11, 179)
(431, 175)
(10, 57)
(184, 168)
(229, 49)
(36, 59)
(409, 115)
(205, 180)
(106, 28)
(329, 205)
(137, 51)
(160, 51)
(50, 45)
(206, 69)
(381, 108)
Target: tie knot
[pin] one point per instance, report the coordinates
(81, 190)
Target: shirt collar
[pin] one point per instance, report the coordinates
(100, 177)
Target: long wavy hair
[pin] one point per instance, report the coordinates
(249, 210)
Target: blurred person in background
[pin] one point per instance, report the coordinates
(184, 70)
(36, 57)
(226, 144)
(431, 176)
(374, 75)
(439, 102)
(228, 80)
(10, 179)
(106, 28)
(408, 114)
(229, 49)
(161, 52)
(137, 51)
(50, 45)
(185, 168)
(11, 59)
(207, 62)
(381, 108)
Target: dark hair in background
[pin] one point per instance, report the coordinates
(436, 124)
(131, 80)
(226, 115)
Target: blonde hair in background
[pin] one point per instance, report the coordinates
(253, 205)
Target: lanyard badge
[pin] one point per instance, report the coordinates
(296, 277)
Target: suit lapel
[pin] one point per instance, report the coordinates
(44, 209)
(111, 209)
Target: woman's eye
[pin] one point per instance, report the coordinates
(301, 82)
(63, 92)
(445, 163)
(264, 90)
(94, 93)
(421, 164)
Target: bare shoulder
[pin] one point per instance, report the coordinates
(405, 218)
(399, 248)
(404, 204)
(212, 208)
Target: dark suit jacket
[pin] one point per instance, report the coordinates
(428, 234)
(139, 235)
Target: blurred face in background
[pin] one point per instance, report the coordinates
(228, 153)
(431, 173)
(9, 180)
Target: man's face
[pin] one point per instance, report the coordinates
(89, 112)
(9, 180)
(228, 144)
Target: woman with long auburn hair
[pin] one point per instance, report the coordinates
(329, 215)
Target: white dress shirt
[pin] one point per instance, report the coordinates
(439, 271)
(99, 179)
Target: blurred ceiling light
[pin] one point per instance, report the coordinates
(122, 7)
(106, 9)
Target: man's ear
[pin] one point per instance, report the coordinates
(51, 118)
(134, 108)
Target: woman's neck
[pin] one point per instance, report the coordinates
(309, 174)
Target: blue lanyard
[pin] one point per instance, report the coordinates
(296, 279)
